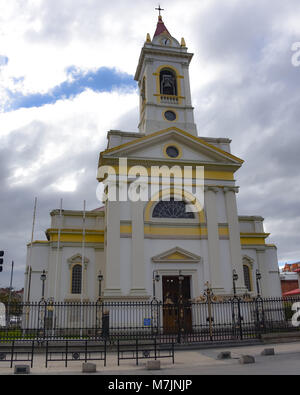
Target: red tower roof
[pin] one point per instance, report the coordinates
(161, 28)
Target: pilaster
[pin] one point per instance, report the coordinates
(213, 239)
(138, 286)
(234, 236)
(112, 275)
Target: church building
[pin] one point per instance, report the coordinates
(134, 250)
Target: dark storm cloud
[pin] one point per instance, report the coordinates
(18, 199)
(255, 100)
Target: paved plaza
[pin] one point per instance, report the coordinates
(187, 362)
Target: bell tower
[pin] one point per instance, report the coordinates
(164, 86)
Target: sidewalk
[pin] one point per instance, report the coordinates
(187, 362)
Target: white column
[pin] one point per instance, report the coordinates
(234, 237)
(186, 90)
(138, 286)
(263, 269)
(150, 81)
(213, 240)
(55, 258)
(112, 275)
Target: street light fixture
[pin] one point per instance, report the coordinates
(258, 278)
(100, 279)
(43, 279)
(235, 277)
(155, 278)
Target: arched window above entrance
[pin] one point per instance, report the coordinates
(171, 209)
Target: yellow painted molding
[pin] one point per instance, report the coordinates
(76, 235)
(252, 240)
(208, 174)
(255, 234)
(173, 230)
(160, 132)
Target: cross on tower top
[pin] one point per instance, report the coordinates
(159, 9)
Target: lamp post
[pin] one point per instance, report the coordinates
(235, 277)
(181, 308)
(155, 278)
(258, 278)
(43, 279)
(100, 279)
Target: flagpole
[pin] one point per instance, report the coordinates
(30, 252)
(82, 264)
(58, 247)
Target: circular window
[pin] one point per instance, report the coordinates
(170, 115)
(172, 151)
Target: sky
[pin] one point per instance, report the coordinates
(66, 78)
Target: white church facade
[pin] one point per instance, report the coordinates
(134, 250)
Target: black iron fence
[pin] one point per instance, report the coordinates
(141, 349)
(208, 319)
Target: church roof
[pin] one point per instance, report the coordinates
(160, 28)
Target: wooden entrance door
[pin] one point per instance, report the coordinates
(176, 313)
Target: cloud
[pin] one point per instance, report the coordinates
(3, 60)
(52, 152)
(102, 80)
(243, 83)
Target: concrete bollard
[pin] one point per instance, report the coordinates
(21, 369)
(268, 351)
(88, 367)
(224, 355)
(244, 359)
(153, 365)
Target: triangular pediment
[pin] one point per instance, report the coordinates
(191, 149)
(176, 255)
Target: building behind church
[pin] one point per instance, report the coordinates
(134, 243)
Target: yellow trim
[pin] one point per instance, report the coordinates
(38, 242)
(223, 231)
(252, 240)
(218, 175)
(208, 174)
(254, 234)
(76, 236)
(172, 145)
(159, 132)
(174, 231)
(126, 229)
